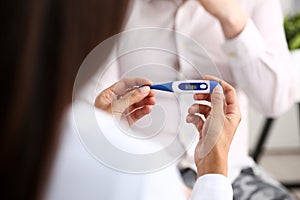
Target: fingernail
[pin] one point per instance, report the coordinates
(188, 118)
(218, 89)
(145, 89)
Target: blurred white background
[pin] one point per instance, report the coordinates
(285, 132)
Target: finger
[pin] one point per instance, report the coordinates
(122, 86)
(138, 95)
(104, 99)
(199, 108)
(196, 120)
(231, 100)
(232, 103)
(229, 91)
(130, 82)
(206, 97)
(217, 102)
(131, 98)
(147, 101)
(151, 94)
(199, 96)
(138, 114)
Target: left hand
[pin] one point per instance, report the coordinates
(231, 16)
(125, 102)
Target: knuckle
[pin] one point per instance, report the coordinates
(135, 95)
(218, 97)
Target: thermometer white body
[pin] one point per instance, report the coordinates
(188, 86)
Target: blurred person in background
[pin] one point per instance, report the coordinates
(44, 45)
(245, 38)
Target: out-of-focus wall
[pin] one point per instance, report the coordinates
(285, 133)
(290, 6)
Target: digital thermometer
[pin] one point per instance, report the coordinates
(189, 86)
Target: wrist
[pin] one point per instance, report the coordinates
(216, 162)
(233, 24)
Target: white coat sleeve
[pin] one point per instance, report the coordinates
(212, 187)
(260, 60)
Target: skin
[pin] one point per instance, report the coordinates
(125, 102)
(137, 103)
(225, 109)
(233, 20)
(134, 104)
(229, 13)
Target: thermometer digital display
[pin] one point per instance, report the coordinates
(189, 86)
(193, 86)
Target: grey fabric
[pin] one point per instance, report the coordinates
(254, 184)
(188, 176)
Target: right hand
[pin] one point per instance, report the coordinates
(217, 131)
(126, 103)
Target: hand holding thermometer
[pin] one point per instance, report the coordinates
(189, 86)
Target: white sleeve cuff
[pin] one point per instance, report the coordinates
(248, 45)
(212, 187)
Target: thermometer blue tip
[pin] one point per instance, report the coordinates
(164, 87)
(212, 84)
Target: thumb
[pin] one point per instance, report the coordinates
(214, 123)
(217, 101)
(104, 99)
(131, 98)
(137, 95)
